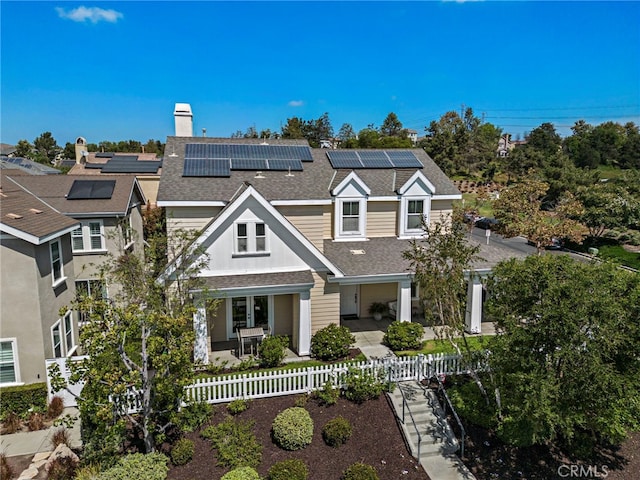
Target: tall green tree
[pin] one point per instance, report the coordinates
(608, 206)
(46, 148)
(139, 344)
(565, 358)
(391, 126)
(24, 149)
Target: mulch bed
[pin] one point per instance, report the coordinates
(376, 440)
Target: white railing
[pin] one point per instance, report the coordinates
(225, 388)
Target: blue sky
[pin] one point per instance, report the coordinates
(113, 71)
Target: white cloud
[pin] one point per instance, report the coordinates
(296, 103)
(91, 14)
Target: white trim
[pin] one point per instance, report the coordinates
(366, 279)
(351, 178)
(360, 233)
(190, 203)
(57, 325)
(403, 229)
(447, 197)
(73, 348)
(384, 199)
(277, 203)
(16, 362)
(251, 237)
(27, 237)
(221, 219)
(414, 178)
(258, 290)
(56, 281)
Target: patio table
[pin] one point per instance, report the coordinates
(249, 334)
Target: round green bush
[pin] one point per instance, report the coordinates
(336, 431)
(360, 471)
(292, 469)
(182, 451)
(293, 428)
(152, 466)
(241, 473)
(237, 406)
(272, 351)
(404, 336)
(332, 342)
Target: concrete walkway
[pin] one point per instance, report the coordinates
(437, 444)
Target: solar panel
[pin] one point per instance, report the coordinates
(248, 164)
(404, 159)
(303, 153)
(131, 167)
(342, 155)
(91, 189)
(206, 167)
(282, 164)
(104, 154)
(374, 159)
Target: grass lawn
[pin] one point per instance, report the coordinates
(619, 254)
(485, 209)
(444, 346)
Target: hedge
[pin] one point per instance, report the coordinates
(23, 397)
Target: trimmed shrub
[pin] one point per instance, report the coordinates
(62, 468)
(35, 421)
(61, 436)
(21, 398)
(5, 469)
(293, 428)
(241, 473)
(152, 466)
(468, 401)
(292, 469)
(332, 342)
(363, 385)
(336, 431)
(182, 452)
(328, 395)
(194, 415)
(272, 351)
(55, 407)
(235, 442)
(404, 336)
(237, 406)
(11, 422)
(360, 471)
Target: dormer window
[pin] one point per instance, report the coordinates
(412, 211)
(415, 212)
(350, 213)
(350, 217)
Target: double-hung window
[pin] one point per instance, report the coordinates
(415, 212)
(351, 217)
(9, 361)
(57, 272)
(62, 340)
(56, 339)
(88, 237)
(250, 238)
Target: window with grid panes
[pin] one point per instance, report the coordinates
(8, 372)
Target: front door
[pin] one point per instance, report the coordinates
(248, 312)
(349, 300)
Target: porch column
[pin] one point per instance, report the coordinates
(200, 346)
(403, 313)
(304, 324)
(473, 314)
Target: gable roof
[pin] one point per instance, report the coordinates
(25, 216)
(27, 166)
(54, 192)
(314, 183)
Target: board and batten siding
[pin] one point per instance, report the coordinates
(381, 219)
(308, 219)
(325, 303)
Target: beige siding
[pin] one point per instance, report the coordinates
(325, 303)
(283, 314)
(376, 292)
(149, 186)
(327, 215)
(382, 219)
(189, 218)
(441, 210)
(308, 219)
(217, 322)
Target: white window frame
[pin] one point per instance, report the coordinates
(69, 337)
(126, 228)
(358, 234)
(251, 238)
(61, 278)
(16, 366)
(87, 237)
(60, 345)
(405, 231)
(80, 315)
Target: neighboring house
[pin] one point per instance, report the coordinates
(26, 165)
(298, 238)
(412, 135)
(109, 212)
(145, 166)
(37, 283)
(7, 150)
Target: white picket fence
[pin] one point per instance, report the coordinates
(225, 388)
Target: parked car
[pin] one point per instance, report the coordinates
(487, 223)
(470, 217)
(554, 244)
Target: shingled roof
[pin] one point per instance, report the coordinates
(25, 216)
(313, 183)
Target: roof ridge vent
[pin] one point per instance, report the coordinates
(15, 216)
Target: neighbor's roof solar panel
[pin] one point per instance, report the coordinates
(404, 159)
(91, 189)
(283, 164)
